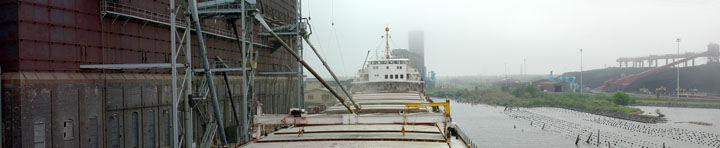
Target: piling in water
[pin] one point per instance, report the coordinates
(577, 139)
(588, 139)
(598, 140)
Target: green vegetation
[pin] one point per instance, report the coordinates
(620, 98)
(530, 96)
(677, 102)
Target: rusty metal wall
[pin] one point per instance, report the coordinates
(8, 35)
(59, 35)
(49, 102)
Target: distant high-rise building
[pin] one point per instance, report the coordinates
(416, 45)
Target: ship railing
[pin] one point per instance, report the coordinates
(465, 138)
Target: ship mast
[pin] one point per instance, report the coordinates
(387, 43)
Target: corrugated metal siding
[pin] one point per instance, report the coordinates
(36, 112)
(150, 117)
(115, 127)
(90, 114)
(113, 110)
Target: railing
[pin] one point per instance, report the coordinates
(465, 138)
(114, 8)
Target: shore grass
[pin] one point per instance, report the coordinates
(677, 102)
(529, 96)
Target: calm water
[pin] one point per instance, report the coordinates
(490, 126)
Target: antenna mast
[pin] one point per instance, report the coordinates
(387, 43)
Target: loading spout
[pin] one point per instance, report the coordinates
(332, 73)
(267, 28)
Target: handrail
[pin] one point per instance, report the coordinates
(151, 16)
(465, 138)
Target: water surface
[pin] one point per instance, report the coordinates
(493, 126)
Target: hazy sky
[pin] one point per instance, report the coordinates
(471, 37)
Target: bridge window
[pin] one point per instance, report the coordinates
(325, 97)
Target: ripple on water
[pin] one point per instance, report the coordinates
(492, 127)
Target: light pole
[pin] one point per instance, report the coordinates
(506, 78)
(581, 72)
(524, 68)
(677, 69)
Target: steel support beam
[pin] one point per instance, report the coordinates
(173, 82)
(243, 49)
(215, 3)
(131, 66)
(279, 33)
(298, 44)
(221, 69)
(208, 74)
(278, 73)
(188, 89)
(220, 12)
(262, 22)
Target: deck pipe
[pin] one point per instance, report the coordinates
(298, 41)
(243, 49)
(261, 20)
(192, 4)
(188, 89)
(227, 87)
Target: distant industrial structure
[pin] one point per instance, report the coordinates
(712, 55)
(416, 46)
(416, 54)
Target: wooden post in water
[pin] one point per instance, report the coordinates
(598, 142)
(577, 139)
(588, 139)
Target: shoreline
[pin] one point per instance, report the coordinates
(611, 114)
(676, 105)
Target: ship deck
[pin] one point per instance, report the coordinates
(381, 103)
(359, 134)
